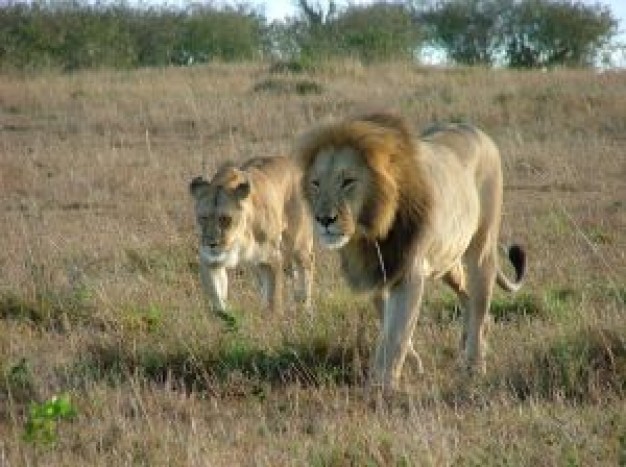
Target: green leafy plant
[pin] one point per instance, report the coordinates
(43, 418)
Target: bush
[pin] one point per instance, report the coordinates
(72, 36)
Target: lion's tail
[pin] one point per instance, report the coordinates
(517, 256)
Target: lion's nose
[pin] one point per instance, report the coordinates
(325, 220)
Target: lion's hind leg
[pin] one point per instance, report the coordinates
(482, 270)
(271, 279)
(455, 278)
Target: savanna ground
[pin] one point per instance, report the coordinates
(100, 304)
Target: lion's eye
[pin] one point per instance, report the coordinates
(315, 184)
(348, 183)
(225, 221)
(203, 219)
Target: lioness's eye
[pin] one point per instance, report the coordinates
(202, 219)
(225, 221)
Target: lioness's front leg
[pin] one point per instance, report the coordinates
(304, 268)
(401, 310)
(215, 284)
(271, 277)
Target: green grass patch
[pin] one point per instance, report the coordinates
(554, 303)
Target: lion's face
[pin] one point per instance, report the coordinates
(336, 185)
(221, 215)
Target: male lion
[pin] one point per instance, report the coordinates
(254, 214)
(401, 210)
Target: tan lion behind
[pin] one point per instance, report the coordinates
(400, 210)
(254, 214)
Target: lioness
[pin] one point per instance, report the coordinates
(401, 210)
(254, 214)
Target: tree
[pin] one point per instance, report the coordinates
(379, 31)
(373, 32)
(520, 33)
(546, 32)
(469, 30)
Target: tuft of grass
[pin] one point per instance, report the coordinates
(163, 262)
(304, 87)
(18, 381)
(357, 452)
(581, 366)
(147, 319)
(50, 309)
(524, 305)
(314, 361)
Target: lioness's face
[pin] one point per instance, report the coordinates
(220, 218)
(335, 188)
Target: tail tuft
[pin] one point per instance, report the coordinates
(517, 256)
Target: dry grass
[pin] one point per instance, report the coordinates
(99, 297)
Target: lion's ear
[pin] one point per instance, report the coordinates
(242, 191)
(197, 185)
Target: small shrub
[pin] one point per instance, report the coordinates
(280, 86)
(305, 87)
(41, 424)
(287, 66)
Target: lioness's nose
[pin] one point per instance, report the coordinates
(325, 220)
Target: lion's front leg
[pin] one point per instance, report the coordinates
(214, 282)
(412, 355)
(401, 310)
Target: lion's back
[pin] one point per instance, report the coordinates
(470, 146)
(276, 186)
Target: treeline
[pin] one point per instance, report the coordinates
(517, 33)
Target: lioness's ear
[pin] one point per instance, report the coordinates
(242, 191)
(196, 185)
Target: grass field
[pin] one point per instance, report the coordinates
(108, 356)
